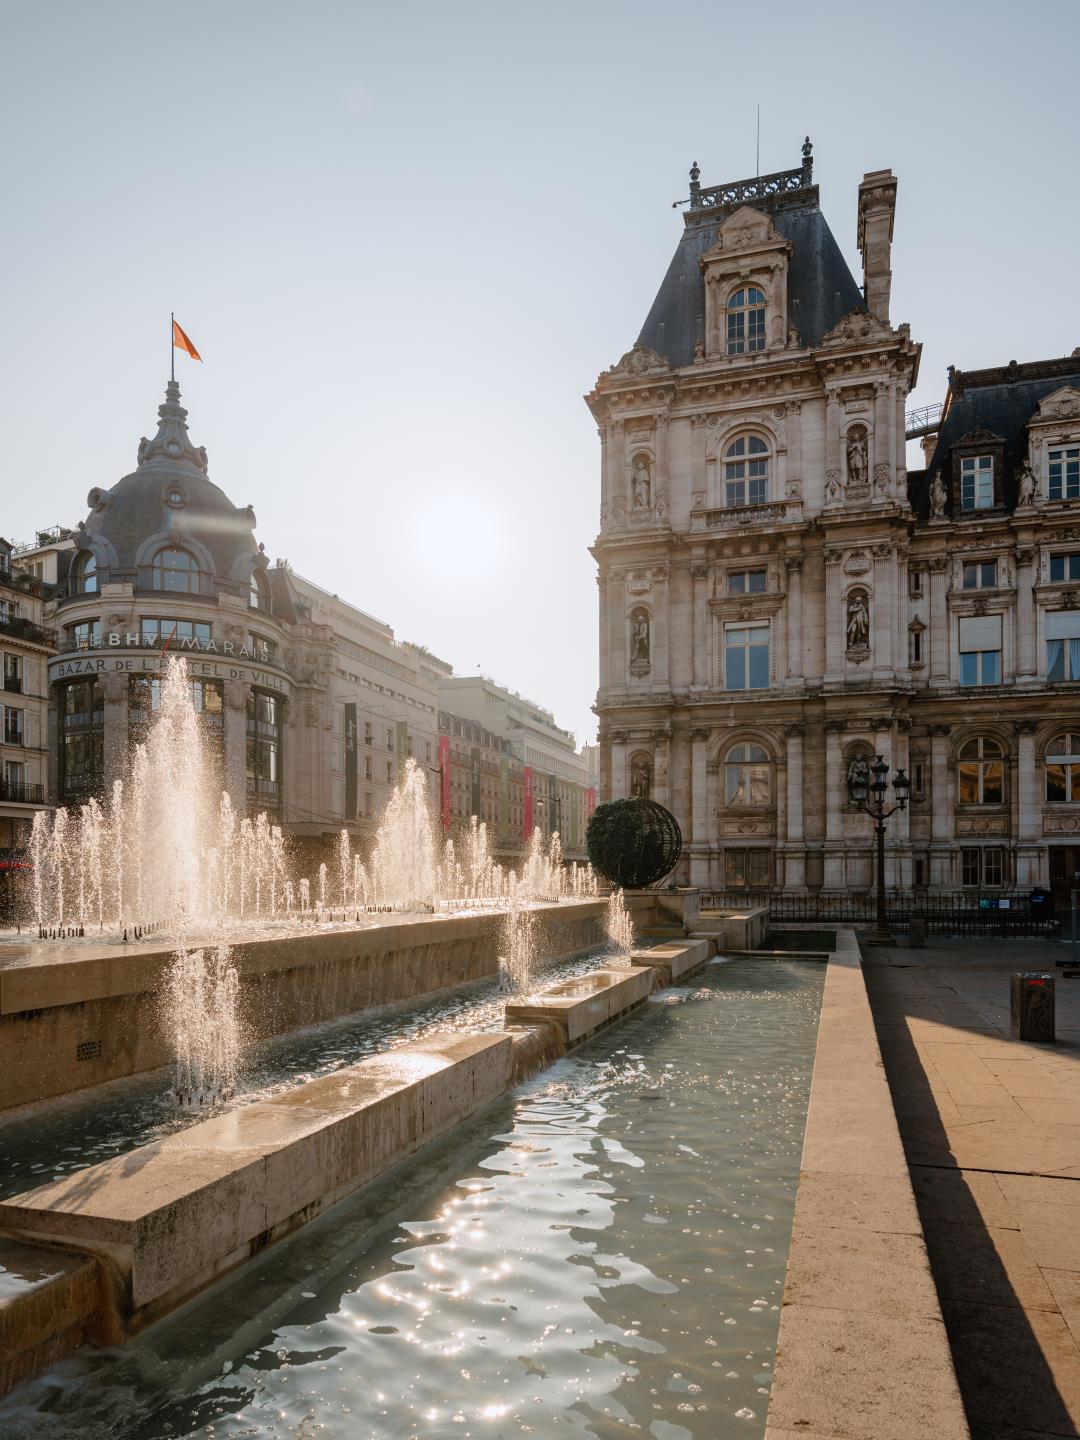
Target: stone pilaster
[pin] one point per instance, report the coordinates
(794, 616)
(662, 768)
(939, 620)
(1027, 661)
(834, 618)
(1029, 840)
(884, 616)
(701, 623)
(941, 808)
(618, 765)
(834, 805)
(699, 782)
(795, 858)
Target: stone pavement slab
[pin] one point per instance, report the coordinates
(991, 1131)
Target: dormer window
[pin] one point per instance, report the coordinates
(746, 320)
(175, 570)
(746, 471)
(84, 578)
(977, 482)
(1063, 474)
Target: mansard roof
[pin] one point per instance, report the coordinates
(998, 403)
(821, 289)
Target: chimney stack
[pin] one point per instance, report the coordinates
(877, 203)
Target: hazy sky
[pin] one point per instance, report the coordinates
(406, 238)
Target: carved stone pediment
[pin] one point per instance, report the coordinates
(747, 229)
(856, 325)
(980, 436)
(1063, 404)
(639, 360)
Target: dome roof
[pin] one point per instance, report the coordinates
(169, 499)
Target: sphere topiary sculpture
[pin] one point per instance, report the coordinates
(633, 842)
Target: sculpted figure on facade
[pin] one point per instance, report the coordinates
(858, 620)
(857, 456)
(641, 484)
(639, 637)
(858, 769)
(1026, 496)
(938, 496)
(641, 777)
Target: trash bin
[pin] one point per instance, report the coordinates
(1032, 1006)
(917, 934)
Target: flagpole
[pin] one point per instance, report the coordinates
(172, 345)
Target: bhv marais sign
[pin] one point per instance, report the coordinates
(206, 660)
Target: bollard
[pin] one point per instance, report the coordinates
(1032, 1006)
(917, 934)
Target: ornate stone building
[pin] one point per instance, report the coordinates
(781, 599)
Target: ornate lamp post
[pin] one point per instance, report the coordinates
(869, 795)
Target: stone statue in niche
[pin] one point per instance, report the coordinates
(858, 621)
(1026, 496)
(639, 638)
(641, 777)
(857, 456)
(641, 486)
(858, 769)
(938, 496)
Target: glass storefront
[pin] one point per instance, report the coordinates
(264, 753)
(81, 720)
(208, 698)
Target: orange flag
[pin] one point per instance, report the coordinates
(181, 342)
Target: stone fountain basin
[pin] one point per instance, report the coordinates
(678, 958)
(580, 1006)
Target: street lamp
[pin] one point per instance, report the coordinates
(869, 795)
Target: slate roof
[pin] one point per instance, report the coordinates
(1001, 400)
(821, 288)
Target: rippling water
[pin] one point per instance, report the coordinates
(602, 1253)
(63, 1136)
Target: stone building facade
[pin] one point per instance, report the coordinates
(780, 599)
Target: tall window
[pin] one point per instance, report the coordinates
(1065, 474)
(977, 482)
(176, 571)
(85, 636)
(1063, 645)
(84, 577)
(982, 869)
(1065, 567)
(82, 737)
(982, 773)
(747, 869)
(746, 657)
(263, 751)
(1063, 768)
(980, 650)
(746, 471)
(980, 575)
(747, 776)
(746, 582)
(14, 733)
(13, 672)
(746, 321)
(259, 591)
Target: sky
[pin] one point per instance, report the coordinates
(406, 239)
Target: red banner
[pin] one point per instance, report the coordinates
(590, 801)
(444, 781)
(528, 802)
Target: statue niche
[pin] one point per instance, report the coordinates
(640, 642)
(641, 777)
(858, 469)
(858, 620)
(641, 485)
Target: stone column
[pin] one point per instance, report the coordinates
(941, 810)
(699, 493)
(618, 765)
(834, 618)
(793, 564)
(1027, 658)
(795, 862)
(939, 620)
(699, 783)
(834, 805)
(114, 685)
(701, 628)
(884, 612)
(832, 441)
(236, 695)
(1029, 818)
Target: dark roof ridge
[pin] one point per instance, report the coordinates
(1010, 374)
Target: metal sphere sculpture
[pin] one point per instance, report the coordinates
(633, 842)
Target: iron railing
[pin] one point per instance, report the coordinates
(20, 629)
(958, 912)
(922, 422)
(16, 792)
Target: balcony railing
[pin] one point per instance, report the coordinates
(13, 684)
(15, 792)
(20, 629)
(773, 512)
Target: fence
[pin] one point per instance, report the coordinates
(958, 912)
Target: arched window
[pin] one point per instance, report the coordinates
(259, 591)
(982, 773)
(746, 320)
(746, 471)
(84, 577)
(747, 776)
(1063, 768)
(175, 570)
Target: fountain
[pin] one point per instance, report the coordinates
(619, 925)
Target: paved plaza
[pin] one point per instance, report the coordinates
(991, 1130)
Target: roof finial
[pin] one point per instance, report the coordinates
(807, 156)
(172, 441)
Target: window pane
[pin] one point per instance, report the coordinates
(735, 868)
(971, 577)
(1057, 566)
(993, 782)
(734, 791)
(736, 583)
(969, 669)
(968, 786)
(759, 867)
(991, 667)
(759, 667)
(1055, 782)
(735, 668)
(989, 573)
(970, 866)
(1055, 660)
(757, 580)
(992, 867)
(759, 784)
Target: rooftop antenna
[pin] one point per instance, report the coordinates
(757, 151)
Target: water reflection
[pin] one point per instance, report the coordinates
(608, 1255)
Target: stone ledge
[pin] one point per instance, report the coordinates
(50, 1301)
(674, 960)
(862, 1351)
(585, 1004)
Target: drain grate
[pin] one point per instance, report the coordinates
(87, 1049)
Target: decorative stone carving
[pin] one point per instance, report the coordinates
(881, 476)
(1027, 487)
(856, 325)
(638, 360)
(699, 571)
(641, 484)
(1063, 404)
(857, 563)
(639, 582)
(938, 497)
(697, 500)
(857, 455)
(832, 486)
(641, 777)
(858, 620)
(640, 642)
(858, 767)
(794, 489)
